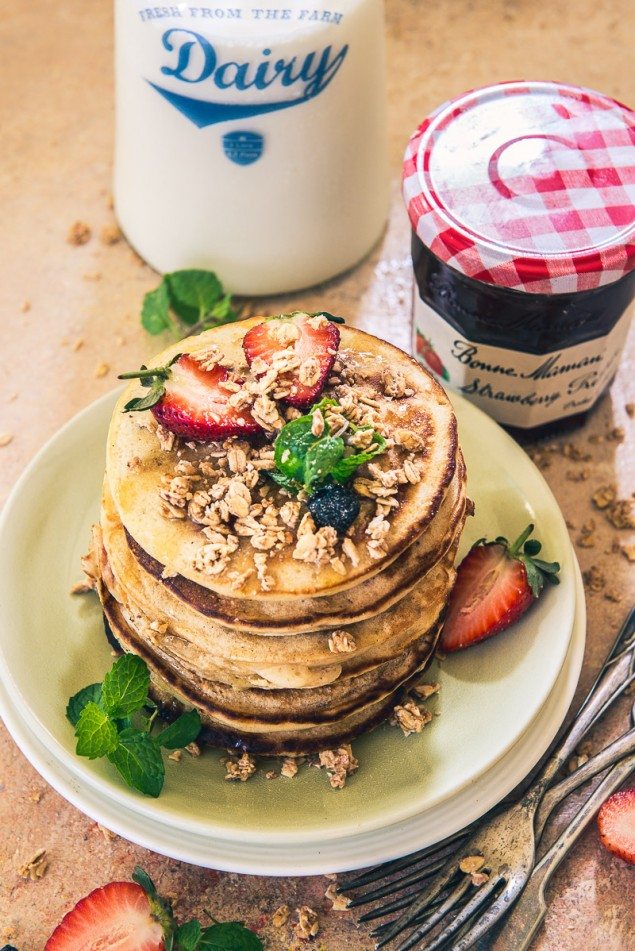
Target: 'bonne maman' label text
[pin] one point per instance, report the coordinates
(517, 388)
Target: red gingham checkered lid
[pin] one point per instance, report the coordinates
(528, 185)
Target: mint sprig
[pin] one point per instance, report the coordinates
(187, 302)
(108, 722)
(304, 461)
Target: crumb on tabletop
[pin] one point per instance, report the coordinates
(280, 916)
(339, 902)
(5, 439)
(78, 233)
(36, 867)
(102, 369)
(308, 923)
(110, 234)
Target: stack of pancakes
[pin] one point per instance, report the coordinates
(304, 654)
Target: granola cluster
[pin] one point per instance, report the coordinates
(223, 487)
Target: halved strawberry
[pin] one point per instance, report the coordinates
(616, 822)
(314, 340)
(118, 916)
(496, 583)
(190, 400)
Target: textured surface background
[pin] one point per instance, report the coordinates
(56, 120)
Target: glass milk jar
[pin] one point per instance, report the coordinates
(251, 140)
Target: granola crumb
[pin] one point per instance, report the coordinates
(594, 579)
(176, 756)
(5, 439)
(36, 867)
(339, 764)
(289, 768)
(426, 690)
(280, 916)
(479, 878)
(35, 795)
(628, 551)
(81, 587)
(342, 643)
(102, 369)
(271, 774)
(630, 410)
(25, 306)
(471, 863)
(410, 717)
(339, 902)
(110, 234)
(107, 833)
(240, 769)
(193, 749)
(78, 233)
(308, 923)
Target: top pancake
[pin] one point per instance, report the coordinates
(375, 377)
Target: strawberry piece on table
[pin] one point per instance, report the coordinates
(119, 915)
(616, 822)
(496, 583)
(310, 341)
(190, 400)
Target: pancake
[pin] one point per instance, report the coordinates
(277, 618)
(391, 391)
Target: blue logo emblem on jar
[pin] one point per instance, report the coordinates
(243, 148)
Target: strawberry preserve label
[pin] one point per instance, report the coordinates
(514, 387)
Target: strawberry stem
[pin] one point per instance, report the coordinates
(520, 541)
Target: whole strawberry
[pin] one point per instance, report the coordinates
(496, 583)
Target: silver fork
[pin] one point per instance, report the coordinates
(506, 840)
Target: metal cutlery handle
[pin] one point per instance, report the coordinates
(624, 745)
(617, 673)
(525, 919)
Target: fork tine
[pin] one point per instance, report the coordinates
(468, 910)
(487, 920)
(397, 884)
(453, 898)
(444, 877)
(397, 905)
(397, 865)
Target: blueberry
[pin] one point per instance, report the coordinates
(335, 505)
(8, 947)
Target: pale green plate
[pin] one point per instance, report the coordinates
(51, 644)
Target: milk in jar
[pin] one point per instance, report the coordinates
(251, 140)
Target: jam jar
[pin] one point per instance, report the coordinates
(521, 198)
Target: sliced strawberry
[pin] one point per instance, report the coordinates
(616, 822)
(117, 916)
(314, 341)
(190, 400)
(496, 583)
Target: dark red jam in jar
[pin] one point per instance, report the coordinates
(521, 198)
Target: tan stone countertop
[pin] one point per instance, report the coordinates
(69, 323)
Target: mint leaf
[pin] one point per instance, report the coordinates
(155, 312)
(125, 687)
(193, 293)
(291, 485)
(138, 760)
(347, 466)
(188, 936)
(79, 700)
(96, 733)
(229, 936)
(221, 313)
(182, 731)
(291, 447)
(321, 458)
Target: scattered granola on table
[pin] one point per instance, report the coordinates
(308, 923)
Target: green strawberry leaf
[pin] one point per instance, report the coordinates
(182, 731)
(229, 936)
(193, 293)
(125, 688)
(91, 693)
(155, 311)
(96, 733)
(138, 759)
(140, 403)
